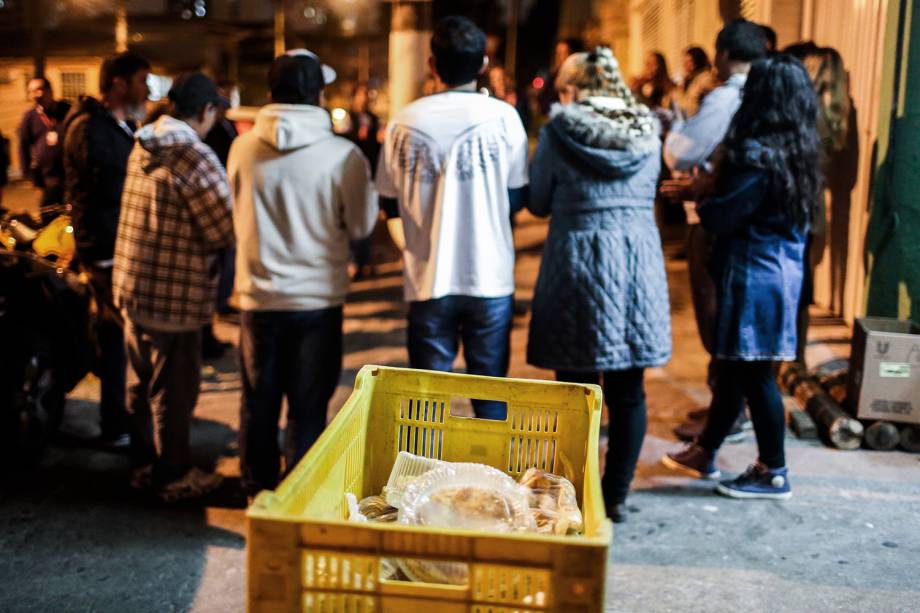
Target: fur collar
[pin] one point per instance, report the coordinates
(608, 123)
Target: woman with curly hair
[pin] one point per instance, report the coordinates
(759, 212)
(600, 308)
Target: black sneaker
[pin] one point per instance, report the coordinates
(693, 461)
(617, 513)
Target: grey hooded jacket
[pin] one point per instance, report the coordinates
(601, 301)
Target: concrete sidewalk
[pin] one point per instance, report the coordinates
(73, 537)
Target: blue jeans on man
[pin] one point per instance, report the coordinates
(484, 327)
(292, 354)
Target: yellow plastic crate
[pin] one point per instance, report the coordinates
(305, 556)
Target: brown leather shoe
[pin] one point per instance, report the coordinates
(693, 461)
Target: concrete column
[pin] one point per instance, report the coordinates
(410, 34)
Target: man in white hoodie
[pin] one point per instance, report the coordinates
(301, 194)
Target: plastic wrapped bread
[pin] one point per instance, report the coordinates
(553, 503)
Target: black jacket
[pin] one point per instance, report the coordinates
(40, 156)
(96, 150)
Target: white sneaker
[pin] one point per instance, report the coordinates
(193, 484)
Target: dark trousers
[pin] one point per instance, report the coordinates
(624, 393)
(227, 258)
(702, 286)
(111, 365)
(484, 326)
(755, 382)
(292, 354)
(164, 375)
(702, 291)
(361, 253)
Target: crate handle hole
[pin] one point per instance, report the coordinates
(485, 408)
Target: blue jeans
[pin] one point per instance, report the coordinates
(484, 326)
(293, 354)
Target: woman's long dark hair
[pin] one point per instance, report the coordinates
(700, 59)
(661, 78)
(775, 129)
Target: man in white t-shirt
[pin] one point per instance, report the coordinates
(454, 168)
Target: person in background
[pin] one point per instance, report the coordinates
(698, 81)
(759, 211)
(454, 167)
(99, 138)
(654, 87)
(221, 136)
(219, 139)
(301, 194)
(838, 163)
(837, 129)
(175, 216)
(769, 35)
(600, 307)
(363, 129)
(364, 124)
(688, 152)
(564, 48)
(40, 135)
(499, 85)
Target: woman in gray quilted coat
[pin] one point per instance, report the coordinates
(600, 309)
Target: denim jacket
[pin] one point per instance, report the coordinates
(757, 265)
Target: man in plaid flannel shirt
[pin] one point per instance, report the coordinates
(175, 216)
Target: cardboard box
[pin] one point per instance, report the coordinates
(885, 370)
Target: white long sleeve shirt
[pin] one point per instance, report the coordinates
(691, 142)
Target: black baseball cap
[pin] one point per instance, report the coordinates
(297, 76)
(193, 90)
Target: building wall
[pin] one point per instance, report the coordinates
(670, 26)
(856, 28)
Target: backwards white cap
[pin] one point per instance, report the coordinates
(328, 72)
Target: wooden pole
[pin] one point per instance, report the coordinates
(882, 436)
(910, 437)
(514, 11)
(37, 24)
(280, 44)
(364, 63)
(835, 426)
(121, 27)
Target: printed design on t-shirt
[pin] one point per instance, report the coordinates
(479, 148)
(415, 156)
